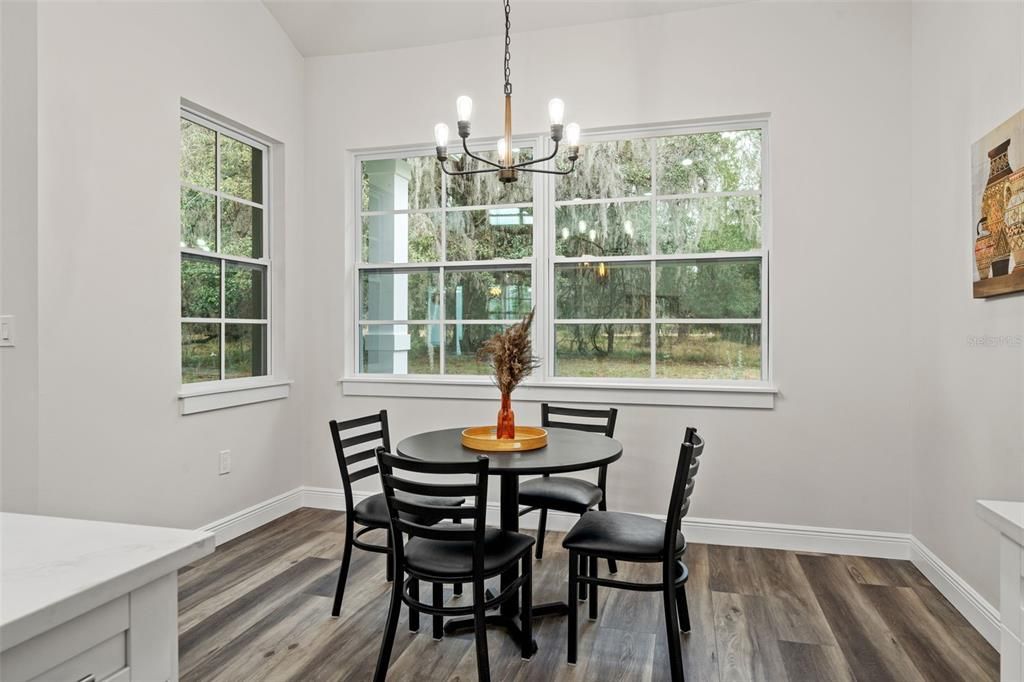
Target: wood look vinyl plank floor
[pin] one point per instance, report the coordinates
(258, 608)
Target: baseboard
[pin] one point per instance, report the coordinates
(984, 617)
(239, 523)
(979, 613)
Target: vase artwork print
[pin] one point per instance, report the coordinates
(510, 355)
(997, 172)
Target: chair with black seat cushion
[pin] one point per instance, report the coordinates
(631, 537)
(447, 553)
(371, 513)
(563, 493)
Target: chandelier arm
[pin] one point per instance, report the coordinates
(465, 172)
(550, 172)
(471, 155)
(524, 164)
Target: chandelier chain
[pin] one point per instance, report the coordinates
(508, 42)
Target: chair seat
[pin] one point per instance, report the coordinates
(560, 493)
(449, 559)
(373, 511)
(620, 535)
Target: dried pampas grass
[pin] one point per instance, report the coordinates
(510, 355)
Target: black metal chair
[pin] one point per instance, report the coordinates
(563, 493)
(631, 537)
(449, 553)
(371, 513)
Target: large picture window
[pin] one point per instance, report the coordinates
(225, 264)
(647, 265)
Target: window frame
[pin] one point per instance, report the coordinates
(645, 390)
(235, 384)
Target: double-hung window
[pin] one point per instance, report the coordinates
(225, 263)
(647, 265)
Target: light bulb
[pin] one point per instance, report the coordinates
(441, 135)
(502, 150)
(556, 111)
(592, 234)
(565, 233)
(627, 227)
(583, 226)
(572, 135)
(464, 105)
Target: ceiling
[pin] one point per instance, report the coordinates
(332, 27)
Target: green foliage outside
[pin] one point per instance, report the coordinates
(634, 186)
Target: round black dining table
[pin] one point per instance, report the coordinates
(567, 450)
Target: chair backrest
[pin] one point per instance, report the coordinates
(682, 486)
(356, 448)
(405, 512)
(604, 419)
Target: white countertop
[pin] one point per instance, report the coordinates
(54, 569)
(1006, 516)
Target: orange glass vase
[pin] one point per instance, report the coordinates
(506, 419)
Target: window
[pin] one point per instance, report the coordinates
(225, 265)
(446, 263)
(647, 265)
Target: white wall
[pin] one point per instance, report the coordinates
(19, 366)
(112, 444)
(968, 400)
(835, 79)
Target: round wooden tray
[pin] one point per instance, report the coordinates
(484, 438)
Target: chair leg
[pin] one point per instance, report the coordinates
(438, 603)
(414, 614)
(526, 609)
(390, 574)
(593, 589)
(582, 571)
(346, 559)
(675, 657)
(542, 527)
(613, 567)
(483, 668)
(384, 658)
(574, 563)
(683, 608)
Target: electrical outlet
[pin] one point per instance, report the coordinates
(225, 462)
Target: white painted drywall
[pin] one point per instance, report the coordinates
(19, 366)
(968, 398)
(835, 78)
(112, 444)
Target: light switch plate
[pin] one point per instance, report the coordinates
(7, 331)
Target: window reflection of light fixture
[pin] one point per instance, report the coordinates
(505, 168)
(565, 233)
(592, 234)
(494, 291)
(601, 270)
(583, 226)
(687, 162)
(627, 227)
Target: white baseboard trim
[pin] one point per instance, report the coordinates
(239, 523)
(884, 545)
(984, 617)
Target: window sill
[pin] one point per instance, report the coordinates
(747, 395)
(218, 395)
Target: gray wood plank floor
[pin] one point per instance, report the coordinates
(259, 609)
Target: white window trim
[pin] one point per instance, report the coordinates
(206, 396)
(543, 386)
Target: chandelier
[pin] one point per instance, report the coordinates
(507, 170)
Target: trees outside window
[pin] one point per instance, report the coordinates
(225, 266)
(653, 251)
